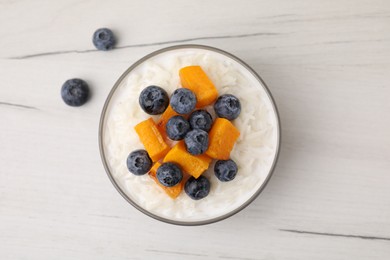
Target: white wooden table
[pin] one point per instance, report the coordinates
(327, 64)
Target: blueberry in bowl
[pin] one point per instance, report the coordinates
(153, 100)
(228, 106)
(197, 141)
(183, 101)
(177, 128)
(169, 174)
(201, 119)
(198, 188)
(225, 170)
(138, 162)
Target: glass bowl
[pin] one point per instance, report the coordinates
(256, 151)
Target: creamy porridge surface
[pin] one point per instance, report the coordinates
(254, 151)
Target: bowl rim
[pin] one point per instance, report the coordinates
(178, 222)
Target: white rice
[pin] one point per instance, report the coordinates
(254, 151)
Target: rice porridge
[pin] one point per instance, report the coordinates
(254, 151)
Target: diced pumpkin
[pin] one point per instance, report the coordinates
(162, 122)
(191, 164)
(195, 79)
(172, 192)
(222, 138)
(152, 139)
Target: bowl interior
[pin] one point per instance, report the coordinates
(255, 152)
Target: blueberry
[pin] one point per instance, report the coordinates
(139, 162)
(201, 119)
(197, 188)
(75, 92)
(225, 170)
(103, 39)
(183, 101)
(197, 141)
(153, 100)
(227, 106)
(169, 174)
(177, 127)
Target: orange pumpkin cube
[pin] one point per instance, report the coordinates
(222, 138)
(162, 122)
(196, 80)
(152, 139)
(172, 192)
(191, 164)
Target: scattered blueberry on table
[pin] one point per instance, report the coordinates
(201, 119)
(228, 106)
(75, 92)
(139, 162)
(225, 170)
(183, 101)
(154, 100)
(169, 174)
(103, 39)
(197, 189)
(197, 141)
(177, 128)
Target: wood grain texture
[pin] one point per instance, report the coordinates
(327, 64)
